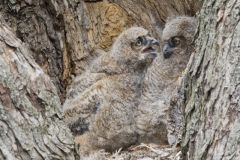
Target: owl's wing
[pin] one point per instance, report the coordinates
(83, 82)
(79, 110)
(86, 79)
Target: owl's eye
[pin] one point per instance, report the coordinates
(176, 41)
(139, 41)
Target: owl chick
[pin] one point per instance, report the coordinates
(103, 115)
(161, 80)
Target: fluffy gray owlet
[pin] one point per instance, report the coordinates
(162, 79)
(102, 116)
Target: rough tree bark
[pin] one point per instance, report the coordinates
(212, 123)
(30, 116)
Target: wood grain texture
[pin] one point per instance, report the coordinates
(31, 125)
(213, 92)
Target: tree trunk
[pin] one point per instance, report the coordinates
(212, 124)
(30, 117)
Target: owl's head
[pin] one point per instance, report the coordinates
(135, 46)
(177, 37)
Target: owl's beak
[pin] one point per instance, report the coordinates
(149, 50)
(167, 51)
(151, 46)
(152, 42)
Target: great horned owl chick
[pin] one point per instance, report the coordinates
(105, 111)
(162, 78)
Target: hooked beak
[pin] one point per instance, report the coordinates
(151, 47)
(167, 51)
(152, 41)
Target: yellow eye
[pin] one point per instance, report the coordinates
(139, 41)
(176, 41)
